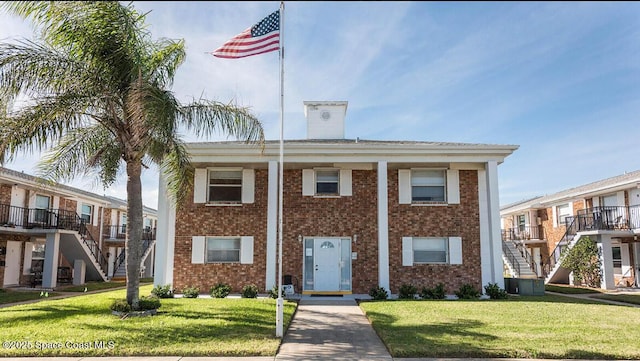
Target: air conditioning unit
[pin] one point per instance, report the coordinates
(288, 289)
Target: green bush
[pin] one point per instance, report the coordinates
(495, 292)
(467, 292)
(148, 303)
(583, 259)
(436, 293)
(378, 293)
(221, 290)
(273, 292)
(120, 305)
(407, 292)
(249, 291)
(162, 291)
(190, 292)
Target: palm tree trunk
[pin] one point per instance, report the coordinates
(133, 244)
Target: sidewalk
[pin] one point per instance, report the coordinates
(331, 329)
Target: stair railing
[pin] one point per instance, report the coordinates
(571, 224)
(512, 258)
(523, 251)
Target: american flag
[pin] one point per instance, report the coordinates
(261, 38)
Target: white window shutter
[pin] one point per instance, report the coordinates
(554, 211)
(197, 249)
(453, 186)
(96, 215)
(455, 250)
(248, 185)
(404, 187)
(407, 251)
(200, 186)
(308, 182)
(246, 250)
(345, 182)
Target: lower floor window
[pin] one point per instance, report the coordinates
(223, 250)
(430, 250)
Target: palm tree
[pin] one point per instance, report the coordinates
(98, 103)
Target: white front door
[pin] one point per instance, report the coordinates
(327, 264)
(12, 263)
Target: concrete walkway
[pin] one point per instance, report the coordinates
(326, 329)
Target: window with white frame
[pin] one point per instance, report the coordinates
(42, 208)
(563, 212)
(327, 182)
(521, 223)
(86, 212)
(225, 186)
(428, 185)
(37, 257)
(223, 250)
(617, 260)
(430, 250)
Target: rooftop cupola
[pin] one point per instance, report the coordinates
(325, 119)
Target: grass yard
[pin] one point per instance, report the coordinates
(627, 298)
(521, 327)
(83, 326)
(11, 296)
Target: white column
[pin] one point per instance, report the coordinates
(490, 238)
(50, 268)
(79, 272)
(272, 225)
(636, 260)
(606, 258)
(110, 260)
(165, 236)
(383, 227)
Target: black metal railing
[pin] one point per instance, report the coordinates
(146, 244)
(571, 224)
(527, 257)
(38, 218)
(120, 232)
(522, 233)
(511, 257)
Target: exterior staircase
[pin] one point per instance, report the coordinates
(119, 272)
(518, 264)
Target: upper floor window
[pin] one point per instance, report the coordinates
(563, 211)
(42, 208)
(521, 223)
(327, 182)
(428, 185)
(225, 186)
(86, 212)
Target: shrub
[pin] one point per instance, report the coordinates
(583, 259)
(249, 291)
(221, 290)
(495, 292)
(120, 306)
(148, 303)
(436, 293)
(190, 292)
(378, 293)
(407, 292)
(467, 292)
(273, 292)
(162, 291)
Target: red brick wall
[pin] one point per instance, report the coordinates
(332, 217)
(462, 220)
(5, 194)
(68, 205)
(553, 234)
(200, 220)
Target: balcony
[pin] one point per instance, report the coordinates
(30, 218)
(605, 218)
(120, 233)
(523, 233)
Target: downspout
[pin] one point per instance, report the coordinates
(101, 225)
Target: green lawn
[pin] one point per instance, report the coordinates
(83, 326)
(627, 298)
(522, 327)
(11, 296)
(570, 289)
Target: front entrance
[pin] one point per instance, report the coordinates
(327, 265)
(12, 263)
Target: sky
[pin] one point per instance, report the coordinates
(559, 79)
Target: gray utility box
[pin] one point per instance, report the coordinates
(524, 286)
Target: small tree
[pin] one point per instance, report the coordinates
(583, 259)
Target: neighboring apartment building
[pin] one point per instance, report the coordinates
(53, 233)
(356, 214)
(607, 211)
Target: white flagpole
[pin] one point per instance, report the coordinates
(280, 301)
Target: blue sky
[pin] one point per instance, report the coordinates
(559, 79)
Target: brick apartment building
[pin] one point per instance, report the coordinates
(356, 213)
